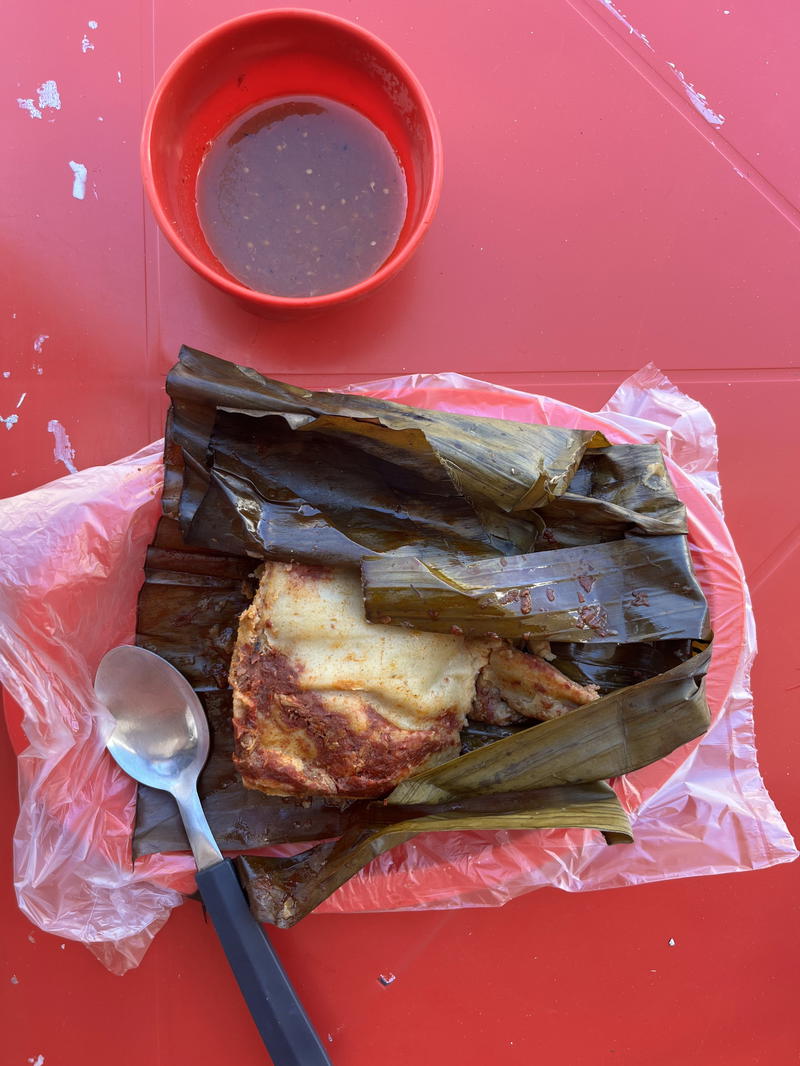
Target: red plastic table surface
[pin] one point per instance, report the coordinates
(621, 186)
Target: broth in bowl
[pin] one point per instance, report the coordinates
(301, 196)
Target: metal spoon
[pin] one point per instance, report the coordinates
(161, 740)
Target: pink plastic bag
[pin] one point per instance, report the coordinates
(71, 556)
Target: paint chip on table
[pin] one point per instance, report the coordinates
(63, 452)
(86, 45)
(37, 344)
(29, 106)
(14, 979)
(10, 421)
(387, 978)
(698, 100)
(621, 18)
(92, 24)
(671, 942)
(79, 173)
(49, 96)
(38, 1061)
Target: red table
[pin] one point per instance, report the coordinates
(597, 214)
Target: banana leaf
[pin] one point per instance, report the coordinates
(613, 666)
(291, 469)
(475, 735)
(616, 490)
(284, 890)
(641, 588)
(306, 496)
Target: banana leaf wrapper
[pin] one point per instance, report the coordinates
(303, 495)
(254, 465)
(616, 490)
(284, 890)
(613, 666)
(641, 588)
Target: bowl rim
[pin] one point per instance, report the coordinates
(229, 285)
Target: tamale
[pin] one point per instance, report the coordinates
(256, 469)
(328, 703)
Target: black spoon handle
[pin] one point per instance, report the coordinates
(277, 1012)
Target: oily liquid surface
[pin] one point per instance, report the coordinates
(301, 196)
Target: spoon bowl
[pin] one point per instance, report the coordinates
(161, 737)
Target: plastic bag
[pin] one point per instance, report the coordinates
(71, 557)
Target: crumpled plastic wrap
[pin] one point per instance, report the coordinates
(71, 558)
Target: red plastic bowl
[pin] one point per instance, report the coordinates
(259, 57)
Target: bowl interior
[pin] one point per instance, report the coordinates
(262, 57)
